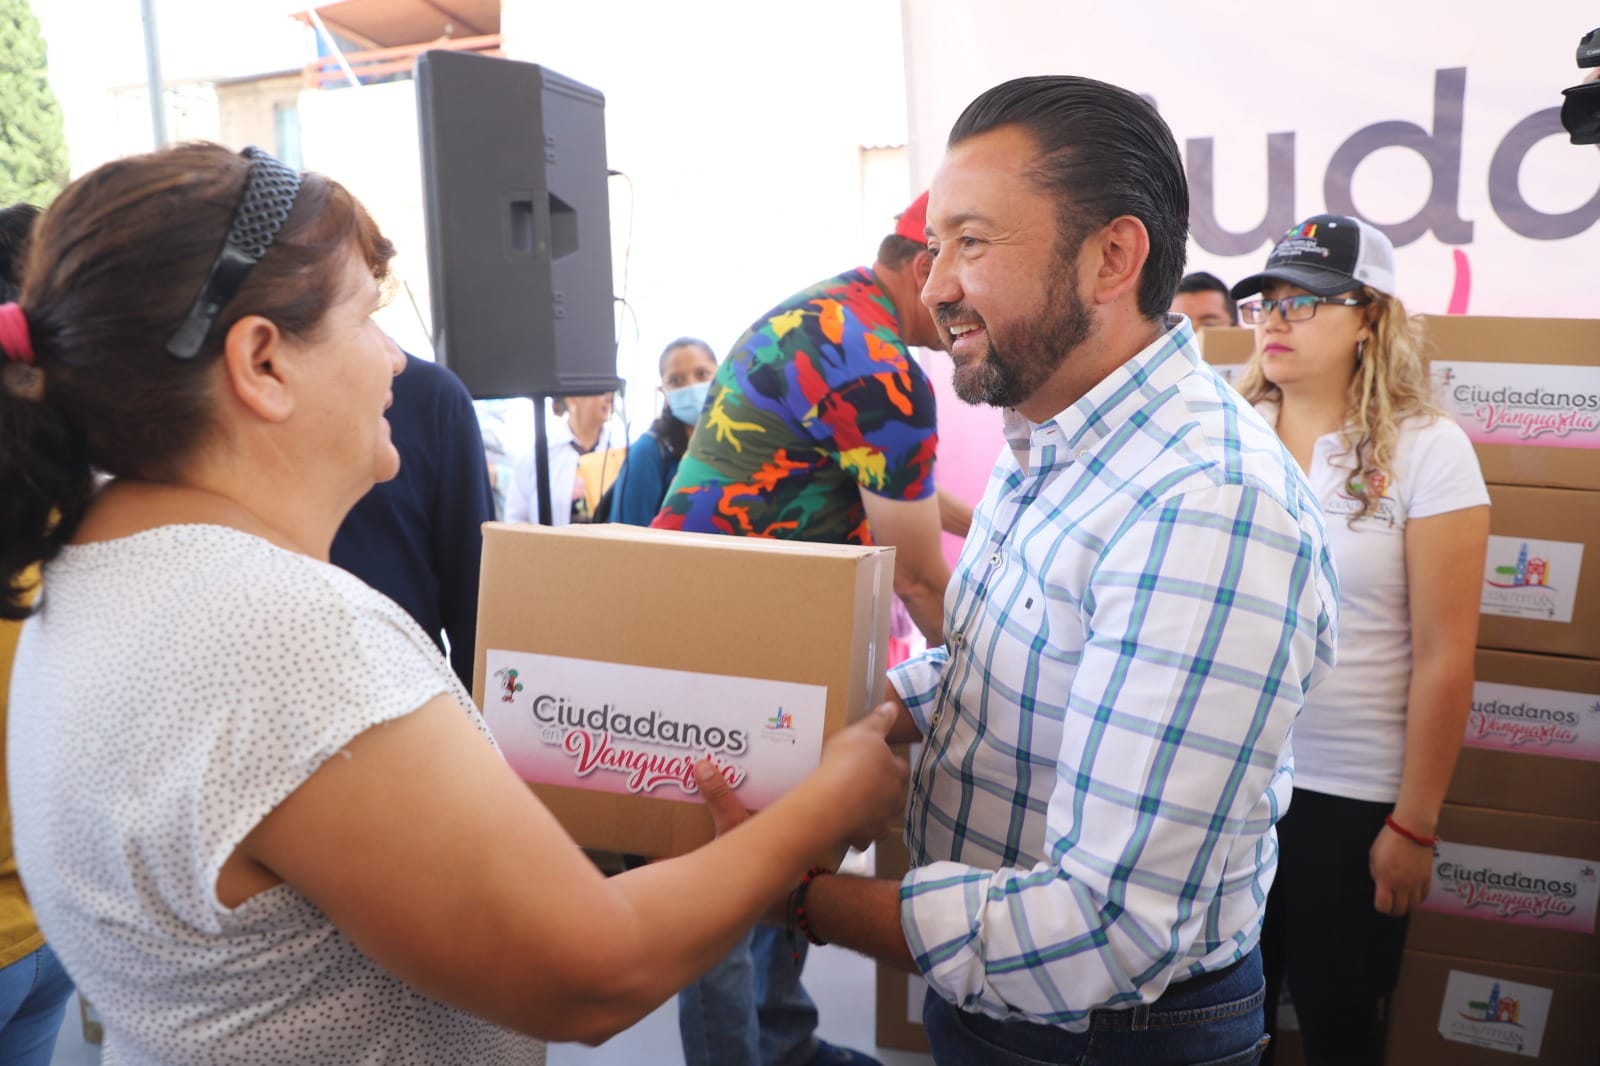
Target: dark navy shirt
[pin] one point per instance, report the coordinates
(418, 539)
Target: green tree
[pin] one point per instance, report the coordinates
(33, 146)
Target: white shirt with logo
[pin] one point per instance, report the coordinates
(1350, 738)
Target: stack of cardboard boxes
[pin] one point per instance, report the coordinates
(1503, 960)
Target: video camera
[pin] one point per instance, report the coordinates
(1580, 114)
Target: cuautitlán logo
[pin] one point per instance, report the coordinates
(1528, 578)
(1494, 1021)
(1489, 1012)
(779, 727)
(1527, 573)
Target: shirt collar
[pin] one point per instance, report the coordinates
(1158, 366)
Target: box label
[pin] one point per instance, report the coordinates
(638, 730)
(1514, 887)
(1531, 404)
(1534, 721)
(1537, 579)
(1490, 1013)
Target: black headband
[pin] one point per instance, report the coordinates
(269, 192)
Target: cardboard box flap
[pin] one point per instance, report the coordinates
(648, 584)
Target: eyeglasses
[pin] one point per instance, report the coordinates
(1292, 308)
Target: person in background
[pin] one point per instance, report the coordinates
(418, 537)
(1205, 299)
(687, 367)
(585, 432)
(34, 988)
(819, 426)
(259, 817)
(1339, 372)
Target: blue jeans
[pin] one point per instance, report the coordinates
(1212, 1020)
(33, 996)
(750, 1009)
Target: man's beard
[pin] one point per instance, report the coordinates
(1014, 368)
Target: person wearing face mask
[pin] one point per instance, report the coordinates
(687, 367)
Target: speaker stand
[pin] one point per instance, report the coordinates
(541, 464)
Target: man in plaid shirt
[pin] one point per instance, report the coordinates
(1141, 606)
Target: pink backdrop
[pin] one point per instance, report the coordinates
(970, 439)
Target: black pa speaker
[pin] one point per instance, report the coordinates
(519, 227)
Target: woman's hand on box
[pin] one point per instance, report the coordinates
(867, 780)
(726, 810)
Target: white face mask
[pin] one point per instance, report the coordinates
(685, 403)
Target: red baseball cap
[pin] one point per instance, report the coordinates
(912, 223)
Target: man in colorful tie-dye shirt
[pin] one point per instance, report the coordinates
(819, 426)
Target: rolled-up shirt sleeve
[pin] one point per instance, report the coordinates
(916, 681)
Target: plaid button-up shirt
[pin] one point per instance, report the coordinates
(1141, 605)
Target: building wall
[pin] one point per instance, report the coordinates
(248, 113)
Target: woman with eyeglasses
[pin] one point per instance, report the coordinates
(1339, 370)
(257, 814)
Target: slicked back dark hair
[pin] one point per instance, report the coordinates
(1205, 281)
(1104, 152)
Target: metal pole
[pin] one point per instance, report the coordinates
(541, 466)
(344, 64)
(152, 72)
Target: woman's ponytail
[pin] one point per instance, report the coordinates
(45, 482)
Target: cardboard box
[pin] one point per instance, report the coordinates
(1527, 391)
(1511, 887)
(1533, 737)
(1541, 581)
(610, 659)
(1227, 348)
(1467, 1012)
(899, 1021)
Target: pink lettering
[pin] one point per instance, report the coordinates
(1510, 904)
(1511, 734)
(645, 770)
(1531, 424)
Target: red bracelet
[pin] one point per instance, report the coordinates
(1420, 841)
(797, 913)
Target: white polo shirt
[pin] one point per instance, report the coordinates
(1350, 738)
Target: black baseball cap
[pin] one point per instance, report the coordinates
(1326, 255)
